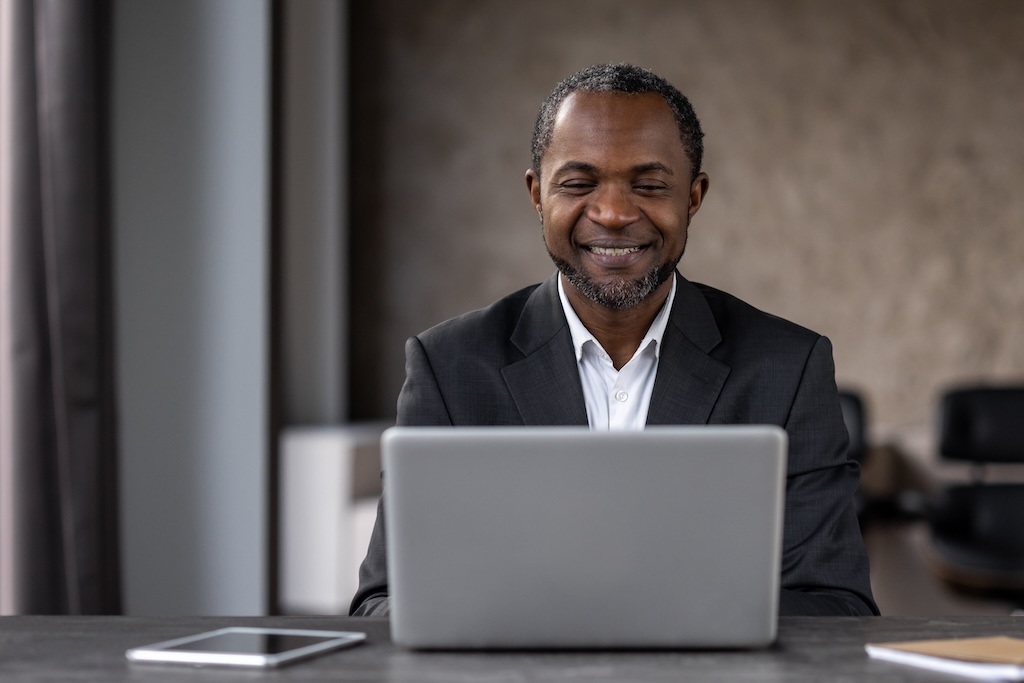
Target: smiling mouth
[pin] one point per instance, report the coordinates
(612, 251)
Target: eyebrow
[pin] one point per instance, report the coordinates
(584, 167)
(653, 166)
(576, 166)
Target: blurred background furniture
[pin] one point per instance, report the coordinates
(977, 527)
(855, 415)
(899, 487)
(890, 490)
(329, 487)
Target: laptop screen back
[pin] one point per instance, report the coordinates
(559, 537)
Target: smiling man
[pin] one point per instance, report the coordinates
(617, 339)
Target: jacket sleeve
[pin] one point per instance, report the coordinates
(420, 403)
(824, 563)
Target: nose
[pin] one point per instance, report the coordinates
(612, 207)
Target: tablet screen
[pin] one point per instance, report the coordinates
(251, 643)
(239, 646)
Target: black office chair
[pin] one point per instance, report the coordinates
(856, 417)
(978, 527)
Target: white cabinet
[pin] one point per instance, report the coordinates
(329, 487)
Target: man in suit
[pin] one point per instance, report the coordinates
(617, 339)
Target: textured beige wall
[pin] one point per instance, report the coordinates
(866, 163)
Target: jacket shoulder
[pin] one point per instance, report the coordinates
(738, 321)
(484, 326)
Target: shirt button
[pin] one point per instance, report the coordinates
(621, 396)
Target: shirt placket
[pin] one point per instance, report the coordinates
(620, 398)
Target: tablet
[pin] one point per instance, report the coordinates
(242, 646)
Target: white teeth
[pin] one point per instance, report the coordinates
(605, 251)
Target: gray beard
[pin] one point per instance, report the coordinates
(620, 294)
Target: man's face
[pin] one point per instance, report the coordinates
(615, 195)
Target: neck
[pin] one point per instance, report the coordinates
(619, 331)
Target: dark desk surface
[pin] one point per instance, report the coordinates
(808, 649)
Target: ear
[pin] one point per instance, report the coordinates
(533, 187)
(698, 189)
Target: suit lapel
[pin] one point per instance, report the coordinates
(545, 384)
(689, 380)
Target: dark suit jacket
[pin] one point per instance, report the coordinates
(722, 362)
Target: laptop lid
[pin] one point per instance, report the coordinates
(560, 537)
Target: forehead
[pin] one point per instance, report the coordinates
(615, 127)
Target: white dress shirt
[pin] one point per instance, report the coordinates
(617, 400)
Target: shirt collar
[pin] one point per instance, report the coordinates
(581, 335)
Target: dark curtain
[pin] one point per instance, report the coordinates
(58, 493)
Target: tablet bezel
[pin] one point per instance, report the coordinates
(164, 652)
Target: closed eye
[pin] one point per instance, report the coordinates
(650, 187)
(576, 186)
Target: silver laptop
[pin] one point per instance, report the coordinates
(559, 537)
